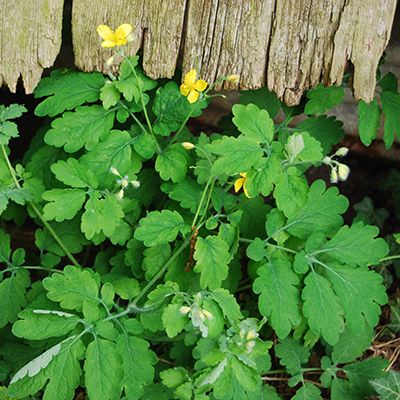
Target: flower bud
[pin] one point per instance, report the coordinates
(201, 315)
(135, 184)
(251, 334)
(334, 176)
(120, 194)
(250, 346)
(343, 172)
(114, 171)
(342, 152)
(184, 310)
(188, 145)
(110, 61)
(326, 160)
(233, 78)
(207, 314)
(124, 182)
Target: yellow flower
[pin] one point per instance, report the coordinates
(233, 78)
(117, 38)
(191, 88)
(241, 182)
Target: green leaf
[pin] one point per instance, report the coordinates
(81, 128)
(73, 173)
(254, 123)
(9, 129)
(187, 193)
(391, 108)
(279, 297)
(228, 304)
(212, 257)
(115, 151)
(42, 324)
(368, 121)
(64, 203)
(351, 345)
(327, 130)
(320, 213)
(137, 365)
(360, 291)
(67, 90)
(12, 292)
(356, 245)
(263, 99)
(362, 372)
(310, 151)
(171, 109)
(101, 215)
(292, 354)
(308, 392)
(109, 94)
(256, 250)
(159, 227)
(173, 320)
(103, 370)
(237, 155)
(291, 193)
(388, 387)
(154, 259)
(322, 98)
(322, 308)
(72, 288)
(59, 366)
(172, 164)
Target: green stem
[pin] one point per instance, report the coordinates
(159, 274)
(173, 140)
(201, 203)
(390, 258)
(146, 115)
(38, 213)
(207, 202)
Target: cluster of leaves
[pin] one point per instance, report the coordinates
(167, 265)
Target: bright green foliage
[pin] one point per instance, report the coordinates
(9, 129)
(323, 98)
(368, 121)
(212, 258)
(81, 128)
(388, 388)
(321, 212)
(158, 275)
(72, 288)
(237, 155)
(67, 90)
(279, 296)
(253, 122)
(391, 109)
(160, 227)
(292, 354)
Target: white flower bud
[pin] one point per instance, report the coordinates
(130, 38)
(114, 171)
(250, 346)
(342, 152)
(207, 314)
(326, 160)
(120, 194)
(184, 310)
(135, 184)
(124, 182)
(201, 315)
(251, 334)
(242, 333)
(233, 78)
(334, 176)
(188, 145)
(343, 172)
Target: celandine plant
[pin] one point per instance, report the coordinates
(198, 266)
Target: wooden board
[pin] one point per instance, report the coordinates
(30, 40)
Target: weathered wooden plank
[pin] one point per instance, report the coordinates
(30, 39)
(288, 45)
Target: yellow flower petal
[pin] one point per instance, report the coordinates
(238, 184)
(193, 96)
(120, 42)
(185, 89)
(190, 77)
(245, 190)
(243, 174)
(200, 85)
(105, 32)
(108, 43)
(123, 31)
